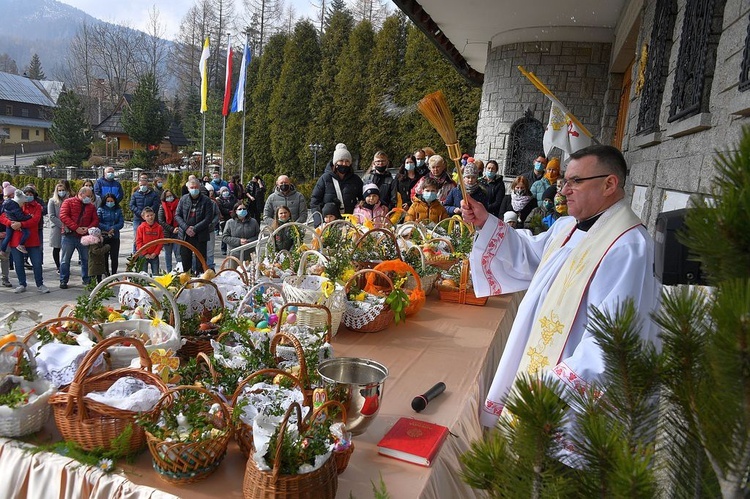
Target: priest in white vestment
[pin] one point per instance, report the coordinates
(598, 256)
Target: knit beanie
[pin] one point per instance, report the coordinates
(470, 170)
(8, 189)
(331, 209)
(341, 153)
(19, 197)
(370, 189)
(510, 216)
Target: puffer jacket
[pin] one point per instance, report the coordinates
(140, 200)
(204, 216)
(293, 200)
(420, 211)
(74, 214)
(111, 218)
(98, 259)
(363, 213)
(237, 229)
(325, 192)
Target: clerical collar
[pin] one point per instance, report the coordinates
(585, 225)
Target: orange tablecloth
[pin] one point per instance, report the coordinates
(458, 344)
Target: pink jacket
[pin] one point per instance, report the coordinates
(363, 213)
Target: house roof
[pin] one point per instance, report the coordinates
(25, 122)
(53, 88)
(112, 124)
(175, 136)
(16, 88)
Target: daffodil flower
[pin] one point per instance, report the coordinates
(328, 288)
(165, 280)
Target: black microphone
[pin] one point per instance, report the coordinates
(421, 401)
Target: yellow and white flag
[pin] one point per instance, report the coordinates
(563, 132)
(203, 66)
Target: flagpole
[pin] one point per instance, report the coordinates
(224, 123)
(244, 116)
(203, 148)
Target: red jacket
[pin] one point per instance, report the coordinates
(147, 233)
(74, 214)
(35, 210)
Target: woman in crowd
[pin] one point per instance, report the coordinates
(341, 185)
(53, 210)
(406, 178)
(32, 245)
(90, 184)
(438, 171)
(495, 186)
(283, 239)
(226, 201)
(256, 197)
(519, 200)
(111, 221)
(166, 218)
(240, 230)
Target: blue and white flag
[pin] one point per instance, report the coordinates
(238, 103)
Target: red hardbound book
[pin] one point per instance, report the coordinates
(413, 440)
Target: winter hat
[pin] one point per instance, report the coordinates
(470, 170)
(341, 153)
(95, 231)
(550, 192)
(19, 197)
(8, 190)
(331, 209)
(209, 187)
(223, 188)
(370, 189)
(510, 216)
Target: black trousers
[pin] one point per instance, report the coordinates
(186, 255)
(114, 254)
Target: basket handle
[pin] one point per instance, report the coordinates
(335, 223)
(365, 271)
(150, 293)
(280, 439)
(282, 335)
(324, 406)
(76, 390)
(299, 305)
(251, 294)
(264, 372)
(412, 226)
(58, 320)
(389, 234)
(442, 240)
(197, 280)
(25, 348)
(168, 397)
(303, 260)
(207, 360)
(403, 267)
(230, 259)
(450, 229)
(420, 253)
(463, 282)
(243, 276)
(177, 241)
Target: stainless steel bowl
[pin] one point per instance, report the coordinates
(358, 385)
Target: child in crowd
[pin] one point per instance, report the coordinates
(147, 232)
(283, 238)
(370, 208)
(425, 207)
(98, 252)
(511, 219)
(331, 212)
(12, 207)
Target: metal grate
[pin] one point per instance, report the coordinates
(525, 143)
(695, 63)
(657, 67)
(745, 68)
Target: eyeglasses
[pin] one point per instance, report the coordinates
(576, 181)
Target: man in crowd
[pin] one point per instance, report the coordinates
(285, 195)
(194, 216)
(599, 257)
(108, 184)
(77, 214)
(144, 196)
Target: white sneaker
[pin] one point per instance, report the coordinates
(42, 289)
(20, 289)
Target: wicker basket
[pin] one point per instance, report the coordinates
(28, 418)
(172, 240)
(189, 462)
(248, 305)
(319, 484)
(340, 457)
(199, 341)
(426, 281)
(368, 264)
(462, 294)
(441, 263)
(243, 432)
(376, 318)
(93, 425)
(291, 341)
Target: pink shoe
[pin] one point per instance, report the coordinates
(21, 248)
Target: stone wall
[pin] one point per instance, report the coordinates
(577, 72)
(678, 160)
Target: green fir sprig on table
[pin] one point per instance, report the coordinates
(299, 449)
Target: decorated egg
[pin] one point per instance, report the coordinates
(262, 325)
(291, 318)
(292, 308)
(273, 319)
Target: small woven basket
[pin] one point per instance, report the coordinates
(341, 457)
(28, 418)
(373, 319)
(360, 264)
(188, 462)
(426, 281)
(199, 341)
(243, 432)
(94, 425)
(319, 484)
(441, 262)
(462, 294)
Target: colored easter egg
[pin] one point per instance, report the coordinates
(291, 318)
(262, 325)
(292, 308)
(273, 319)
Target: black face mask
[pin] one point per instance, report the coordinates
(344, 169)
(285, 187)
(380, 169)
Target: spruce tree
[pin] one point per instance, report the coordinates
(258, 145)
(35, 68)
(352, 90)
(146, 119)
(70, 130)
(290, 102)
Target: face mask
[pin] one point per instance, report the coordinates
(285, 187)
(519, 192)
(344, 169)
(490, 174)
(29, 199)
(283, 220)
(463, 162)
(87, 200)
(62, 194)
(194, 192)
(429, 197)
(409, 167)
(110, 176)
(143, 188)
(548, 205)
(159, 184)
(216, 179)
(380, 169)
(538, 166)
(111, 204)
(242, 213)
(169, 199)
(420, 162)
(562, 209)
(225, 194)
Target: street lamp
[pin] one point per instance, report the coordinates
(315, 149)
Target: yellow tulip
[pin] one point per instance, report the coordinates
(165, 280)
(328, 288)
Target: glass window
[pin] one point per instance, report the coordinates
(24, 134)
(24, 112)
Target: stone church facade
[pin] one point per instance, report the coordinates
(672, 88)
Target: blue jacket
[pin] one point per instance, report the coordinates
(111, 218)
(140, 200)
(218, 185)
(455, 196)
(102, 187)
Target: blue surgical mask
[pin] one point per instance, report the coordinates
(169, 199)
(159, 184)
(429, 197)
(420, 162)
(29, 199)
(110, 175)
(110, 204)
(538, 166)
(409, 166)
(225, 194)
(87, 200)
(283, 220)
(194, 192)
(62, 194)
(143, 188)
(490, 174)
(242, 213)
